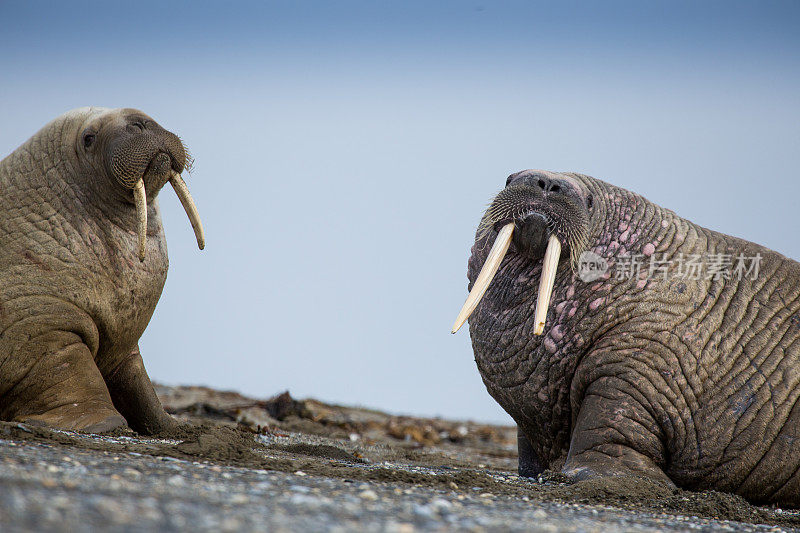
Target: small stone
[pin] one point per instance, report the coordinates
(300, 473)
(60, 502)
(368, 495)
(422, 511)
(304, 500)
(176, 481)
(52, 468)
(486, 495)
(231, 524)
(538, 514)
(440, 504)
(452, 485)
(399, 527)
(239, 499)
(111, 509)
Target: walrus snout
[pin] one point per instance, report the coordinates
(531, 232)
(177, 151)
(538, 209)
(143, 150)
(142, 157)
(161, 165)
(540, 214)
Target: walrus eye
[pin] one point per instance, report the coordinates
(88, 140)
(589, 201)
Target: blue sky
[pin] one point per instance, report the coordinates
(345, 152)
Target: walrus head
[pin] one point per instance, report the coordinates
(537, 215)
(140, 157)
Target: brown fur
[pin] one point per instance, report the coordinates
(694, 382)
(75, 298)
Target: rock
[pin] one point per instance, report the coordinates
(368, 495)
(422, 511)
(440, 504)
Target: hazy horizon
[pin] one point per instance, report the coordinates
(345, 153)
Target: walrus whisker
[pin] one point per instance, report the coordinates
(140, 198)
(188, 163)
(189, 206)
(546, 282)
(496, 255)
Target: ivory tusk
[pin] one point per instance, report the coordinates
(188, 205)
(546, 283)
(140, 198)
(496, 255)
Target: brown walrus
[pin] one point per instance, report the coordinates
(650, 346)
(83, 261)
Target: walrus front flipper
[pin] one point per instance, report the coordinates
(529, 464)
(614, 435)
(62, 388)
(135, 398)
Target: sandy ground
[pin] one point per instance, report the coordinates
(287, 465)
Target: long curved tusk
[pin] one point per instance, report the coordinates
(140, 198)
(546, 283)
(188, 205)
(496, 255)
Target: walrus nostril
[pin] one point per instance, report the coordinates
(548, 185)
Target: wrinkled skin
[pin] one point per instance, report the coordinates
(74, 296)
(691, 382)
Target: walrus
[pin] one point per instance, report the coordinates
(625, 340)
(83, 261)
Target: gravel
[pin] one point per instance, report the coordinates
(47, 487)
(242, 464)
